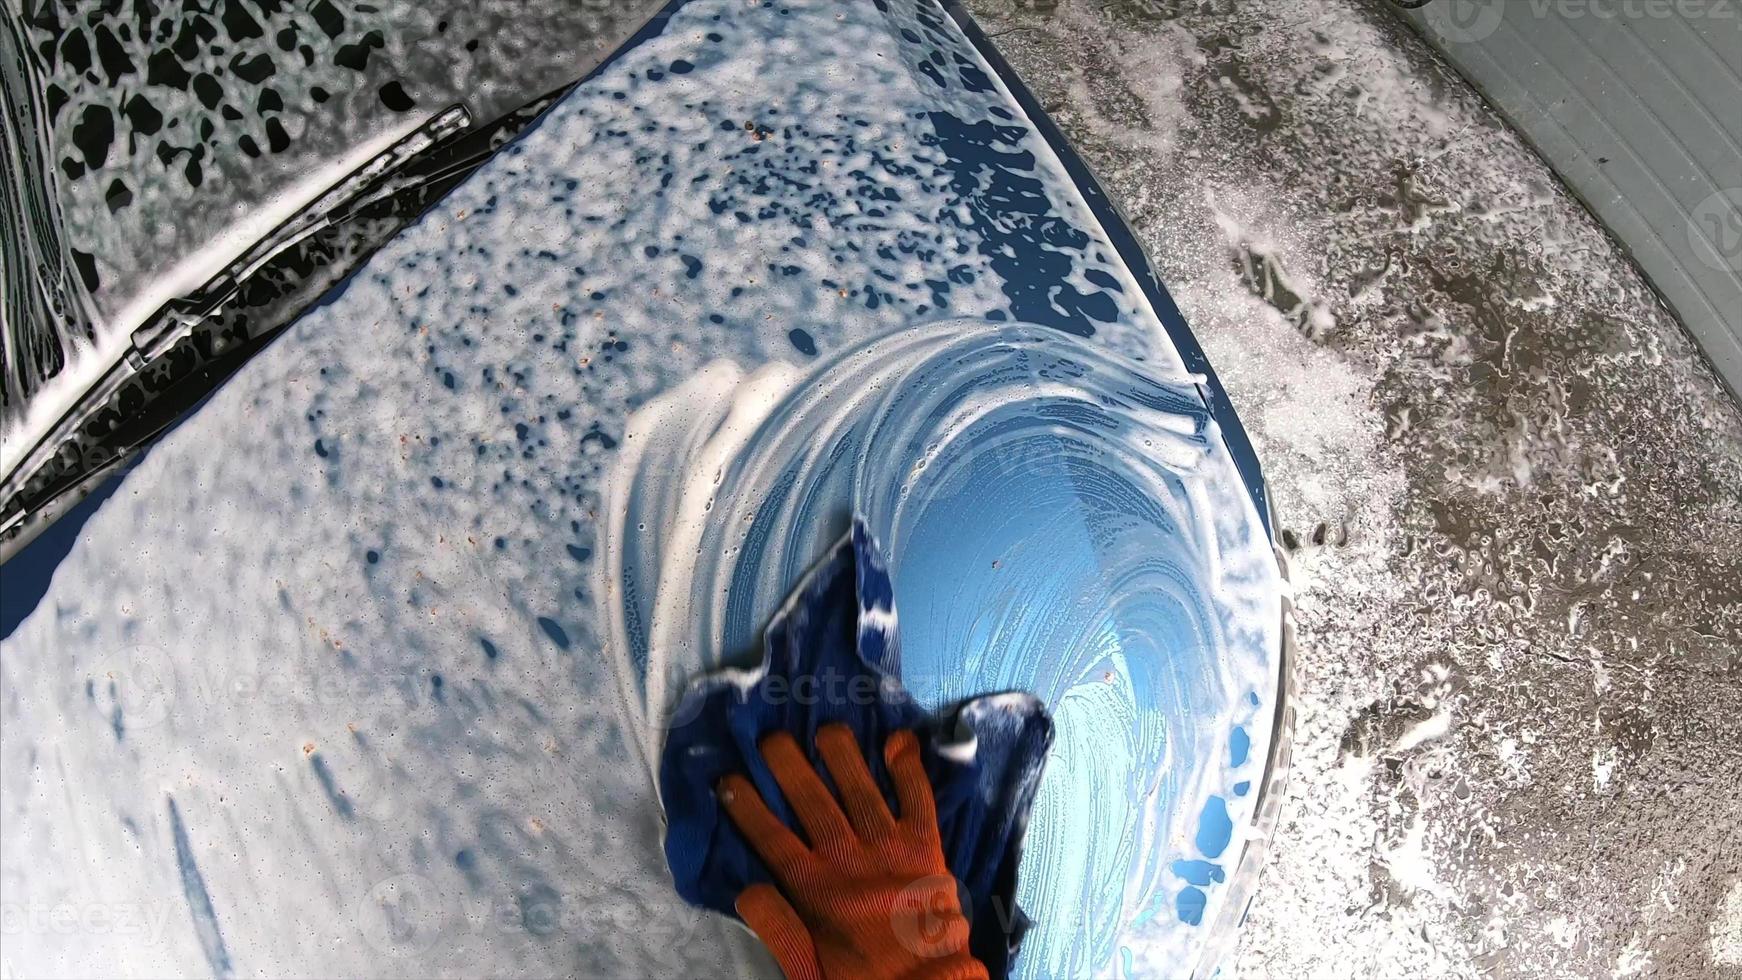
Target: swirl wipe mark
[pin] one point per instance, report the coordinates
(1058, 521)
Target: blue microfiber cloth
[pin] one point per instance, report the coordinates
(831, 654)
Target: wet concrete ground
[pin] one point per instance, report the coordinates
(1511, 490)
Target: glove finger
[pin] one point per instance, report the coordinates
(859, 793)
(771, 917)
(817, 811)
(770, 838)
(912, 788)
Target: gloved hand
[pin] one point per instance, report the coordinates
(871, 896)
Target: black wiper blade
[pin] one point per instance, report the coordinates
(192, 343)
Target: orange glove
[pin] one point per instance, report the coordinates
(871, 897)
